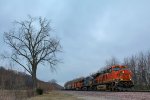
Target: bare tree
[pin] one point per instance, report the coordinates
(112, 61)
(148, 67)
(32, 45)
(142, 63)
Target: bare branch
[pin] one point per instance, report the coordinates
(21, 64)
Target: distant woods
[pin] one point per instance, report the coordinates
(140, 67)
(15, 80)
(32, 45)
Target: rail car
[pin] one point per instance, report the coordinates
(113, 78)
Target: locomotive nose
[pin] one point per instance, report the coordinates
(125, 75)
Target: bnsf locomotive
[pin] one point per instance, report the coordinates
(114, 78)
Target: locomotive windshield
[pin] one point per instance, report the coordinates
(116, 68)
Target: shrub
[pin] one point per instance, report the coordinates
(39, 91)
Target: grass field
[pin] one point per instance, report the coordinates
(55, 95)
(15, 94)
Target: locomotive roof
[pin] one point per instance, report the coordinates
(104, 70)
(116, 66)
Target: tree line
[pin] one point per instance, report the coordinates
(15, 80)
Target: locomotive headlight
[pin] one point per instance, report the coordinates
(121, 73)
(130, 79)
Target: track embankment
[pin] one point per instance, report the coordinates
(101, 95)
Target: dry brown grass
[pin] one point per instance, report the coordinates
(55, 95)
(15, 94)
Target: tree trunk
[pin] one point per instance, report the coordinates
(34, 79)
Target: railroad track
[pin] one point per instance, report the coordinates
(107, 95)
(111, 91)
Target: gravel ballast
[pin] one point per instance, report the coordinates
(100, 95)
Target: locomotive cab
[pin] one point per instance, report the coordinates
(122, 73)
(123, 76)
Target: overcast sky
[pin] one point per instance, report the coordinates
(90, 31)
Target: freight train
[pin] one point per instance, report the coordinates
(114, 78)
